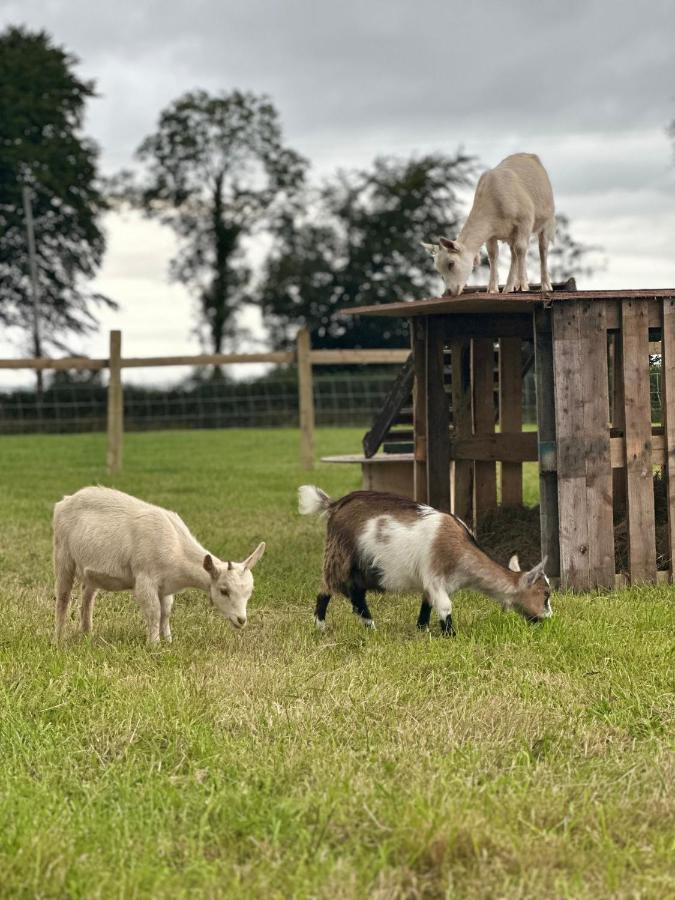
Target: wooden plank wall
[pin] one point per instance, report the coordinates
(460, 350)
(668, 400)
(546, 449)
(437, 418)
(569, 420)
(638, 442)
(595, 387)
(418, 341)
(511, 414)
(583, 445)
(485, 473)
(618, 414)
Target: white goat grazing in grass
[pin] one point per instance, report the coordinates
(381, 542)
(513, 201)
(115, 542)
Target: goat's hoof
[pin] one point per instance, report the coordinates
(320, 623)
(369, 624)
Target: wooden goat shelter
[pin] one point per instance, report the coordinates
(596, 444)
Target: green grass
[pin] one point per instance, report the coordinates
(512, 761)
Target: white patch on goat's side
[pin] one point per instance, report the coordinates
(401, 550)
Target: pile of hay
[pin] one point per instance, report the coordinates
(510, 530)
(661, 516)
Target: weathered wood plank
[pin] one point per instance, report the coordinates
(494, 326)
(511, 414)
(305, 399)
(419, 351)
(438, 421)
(595, 389)
(618, 416)
(569, 412)
(668, 388)
(460, 349)
(508, 448)
(546, 449)
(115, 406)
(617, 451)
(485, 473)
(639, 479)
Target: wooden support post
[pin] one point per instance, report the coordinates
(548, 485)
(583, 445)
(668, 391)
(305, 399)
(115, 405)
(438, 419)
(419, 349)
(571, 447)
(460, 349)
(618, 417)
(511, 414)
(485, 473)
(595, 390)
(639, 476)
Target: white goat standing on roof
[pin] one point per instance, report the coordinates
(513, 201)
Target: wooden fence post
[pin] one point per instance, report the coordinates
(115, 405)
(305, 399)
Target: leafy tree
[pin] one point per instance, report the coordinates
(215, 171)
(358, 243)
(42, 147)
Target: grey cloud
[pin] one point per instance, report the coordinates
(428, 67)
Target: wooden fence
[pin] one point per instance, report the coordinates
(303, 356)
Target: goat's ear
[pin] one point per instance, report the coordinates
(432, 249)
(451, 246)
(210, 566)
(514, 564)
(255, 557)
(531, 577)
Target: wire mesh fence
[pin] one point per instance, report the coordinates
(351, 398)
(69, 406)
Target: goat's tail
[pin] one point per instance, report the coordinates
(312, 501)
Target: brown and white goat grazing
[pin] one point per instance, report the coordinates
(513, 201)
(381, 542)
(115, 542)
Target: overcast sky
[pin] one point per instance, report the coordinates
(589, 85)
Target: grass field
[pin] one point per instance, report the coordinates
(511, 761)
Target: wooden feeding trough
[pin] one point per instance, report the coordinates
(595, 443)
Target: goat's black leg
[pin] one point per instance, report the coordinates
(447, 628)
(425, 614)
(322, 601)
(360, 607)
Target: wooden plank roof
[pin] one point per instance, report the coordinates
(491, 304)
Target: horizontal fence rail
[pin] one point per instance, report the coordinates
(203, 405)
(316, 357)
